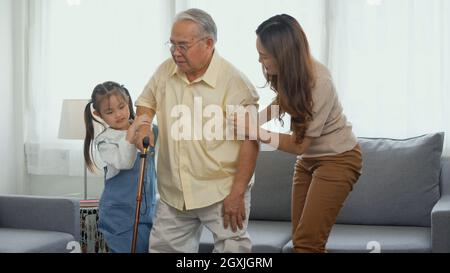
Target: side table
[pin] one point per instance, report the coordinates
(92, 240)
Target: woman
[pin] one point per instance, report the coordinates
(329, 157)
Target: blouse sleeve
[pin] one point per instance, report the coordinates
(324, 97)
(119, 153)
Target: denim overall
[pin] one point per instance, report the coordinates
(118, 204)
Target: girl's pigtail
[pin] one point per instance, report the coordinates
(89, 123)
(130, 102)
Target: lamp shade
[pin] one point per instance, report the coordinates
(71, 125)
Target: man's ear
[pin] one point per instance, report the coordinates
(210, 42)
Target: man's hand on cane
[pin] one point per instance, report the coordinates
(144, 130)
(143, 127)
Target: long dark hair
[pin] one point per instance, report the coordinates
(284, 39)
(101, 92)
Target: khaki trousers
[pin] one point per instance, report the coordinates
(176, 231)
(320, 187)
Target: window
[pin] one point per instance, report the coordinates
(390, 59)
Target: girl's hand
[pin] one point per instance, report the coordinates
(134, 127)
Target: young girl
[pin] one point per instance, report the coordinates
(112, 103)
(329, 158)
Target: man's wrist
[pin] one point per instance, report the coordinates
(239, 189)
(144, 124)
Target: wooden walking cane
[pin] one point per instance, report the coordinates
(143, 156)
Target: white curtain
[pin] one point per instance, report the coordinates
(391, 63)
(7, 184)
(390, 59)
(13, 20)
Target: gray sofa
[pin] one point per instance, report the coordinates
(401, 202)
(32, 224)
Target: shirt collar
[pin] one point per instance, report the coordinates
(211, 74)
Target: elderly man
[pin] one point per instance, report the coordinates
(201, 181)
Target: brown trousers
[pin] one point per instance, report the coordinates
(319, 189)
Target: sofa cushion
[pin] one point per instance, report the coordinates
(266, 237)
(399, 184)
(384, 239)
(271, 193)
(445, 176)
(33, 241)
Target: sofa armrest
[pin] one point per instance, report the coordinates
(440, 223)
(41, 213)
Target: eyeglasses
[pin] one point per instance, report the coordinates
(183, 48)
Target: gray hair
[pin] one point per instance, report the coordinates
(201, 18)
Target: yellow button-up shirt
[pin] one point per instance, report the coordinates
(195, 171)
